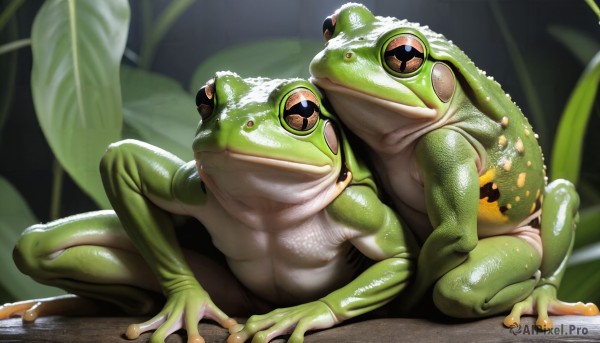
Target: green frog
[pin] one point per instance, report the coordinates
(305, 237)
(461, 163)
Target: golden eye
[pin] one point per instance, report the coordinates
(205, 99)
(301, 111)
(329, 27)
(404, 54)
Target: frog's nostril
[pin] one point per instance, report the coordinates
(348, 55)
(250, 124)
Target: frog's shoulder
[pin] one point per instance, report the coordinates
(187, 186)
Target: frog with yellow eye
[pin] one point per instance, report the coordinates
(461, 163)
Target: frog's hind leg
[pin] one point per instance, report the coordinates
(499, 272)
(88, 255)
(559, 217)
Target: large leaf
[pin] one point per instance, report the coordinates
(588, 229)
(581, 282)
(582, 45)
(568, 144)
(15, 216)
(8, 71)
(77, 48)
(279, 58)
(159, 111)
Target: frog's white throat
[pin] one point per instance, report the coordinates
(266, 193)
(386, 126)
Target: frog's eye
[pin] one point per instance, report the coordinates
(301, 110)
(404, 54)
(329, 27)
(205, 99)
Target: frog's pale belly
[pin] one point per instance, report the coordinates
(283, 265)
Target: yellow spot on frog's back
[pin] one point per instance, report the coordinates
(517, 198)
(502, 140)
(519, 146)
(532, 208)
(507, 165)
(504, 122)
(527, 193)
(526, 133)
(521, 180)
(529, 163)
(537, 193)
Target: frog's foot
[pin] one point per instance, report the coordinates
(30, 310)
(183, 310)
(542, 302)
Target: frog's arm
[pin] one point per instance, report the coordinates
(380, 237)
(450, 178)
(138, 179)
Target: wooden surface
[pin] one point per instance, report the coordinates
(111, 329)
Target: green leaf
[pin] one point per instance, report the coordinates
(77, 48)
(159, 111)
(568, 144)
(279, 58)
(8, 72)
(581, 283)
(154, 32)
(15, 216)
(588, 229)
(581, 44)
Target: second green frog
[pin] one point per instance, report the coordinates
(461, 163)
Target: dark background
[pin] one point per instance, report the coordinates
(209, 26)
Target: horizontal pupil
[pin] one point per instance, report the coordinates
(404, 53)
(303, 108)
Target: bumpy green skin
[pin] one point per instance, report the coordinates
(461, 164)
(121, 258)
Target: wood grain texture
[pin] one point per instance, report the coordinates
(111, 329)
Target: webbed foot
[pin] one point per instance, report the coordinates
(543, 301)
(30, 310)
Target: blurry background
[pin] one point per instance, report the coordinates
(537, 50)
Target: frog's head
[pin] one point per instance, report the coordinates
(400, 71)
(263, 140)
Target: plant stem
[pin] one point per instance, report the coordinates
(594, 7)
(15, 45)
(158, 30)
(57, 181)
(9, 12)
(533, 99)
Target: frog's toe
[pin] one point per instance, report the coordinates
(518, 310)
(578, 308)
(15, 309)
(30, 310)
(544, 323)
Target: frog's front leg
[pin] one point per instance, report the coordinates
(139, 180)
(450, 179)
(559, 217)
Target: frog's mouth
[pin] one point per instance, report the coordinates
(385, 125)
(258, 181)
(412, 112)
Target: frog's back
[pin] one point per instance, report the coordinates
(513, 178)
